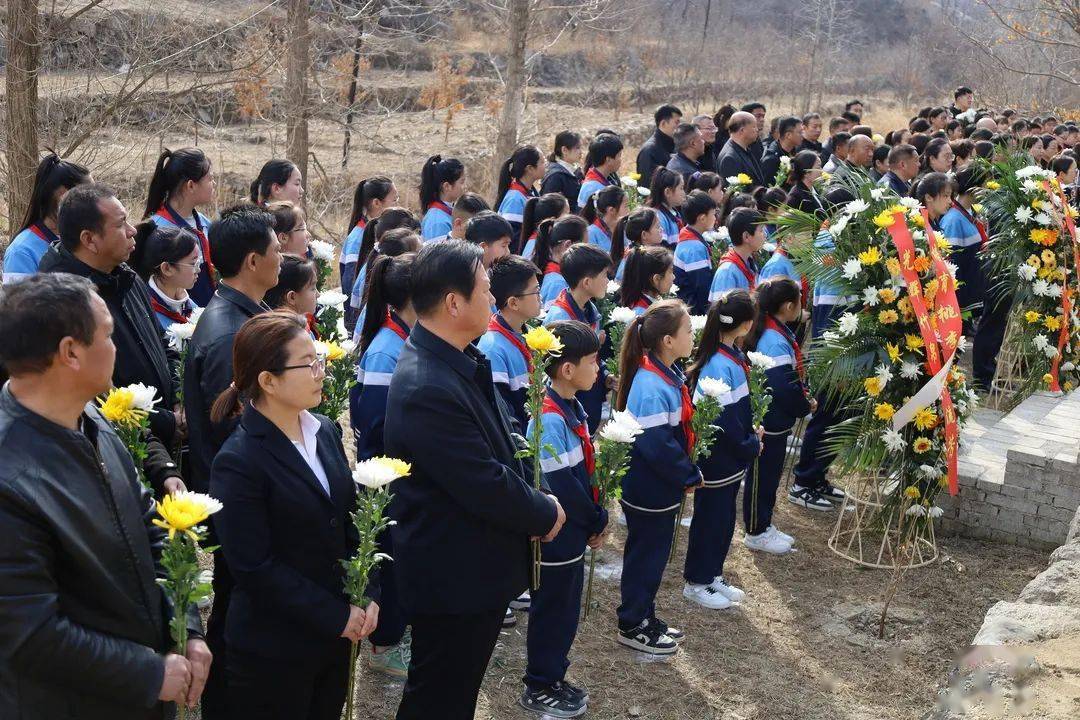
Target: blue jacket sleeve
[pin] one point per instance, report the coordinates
(787, 391)
(566, 484)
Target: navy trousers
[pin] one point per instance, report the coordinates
(989, 334)
(710, 534)
(648, 544)
(553, 623)
(814, 459)
(759, 498)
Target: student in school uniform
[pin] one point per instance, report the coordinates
(733, 450)
(779, 303)
(693, 266)
(468, 205)
(53, 179)
(602, 211)
(568, 464)
(492, 233)
(290, 224)
(563, 175)
(667, 193)
(277, 180)
(652, 389)
(393, 242)
(390, 318)
(519, 173)
(585, 269)
(553, 239)
(537, 210)
(442, 182)
(370, 198)
(167, 258)
(640, 228)
(602, 162)
(296, 290)
(966, 235)
(650, 273)
(389, 219)
(183, 181)
(709, 183)
(737, 268)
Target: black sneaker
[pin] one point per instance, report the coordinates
(809, 499)
(552, 701)
(573, 690)
(674, 633)
(832, 494)
(509, 620)
(648, 638)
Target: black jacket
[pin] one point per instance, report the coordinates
(654, 153)
(83, 623)
(894, 183)
(284, 539)
(734, 159)
(465, 514)
(143, 355)
(770, 161)
(802, 198)
(559, 179)
(684, 166)
(809, 145)
(208, 370)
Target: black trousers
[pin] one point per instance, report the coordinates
(450, 655)
(215, 697)
(269, 689)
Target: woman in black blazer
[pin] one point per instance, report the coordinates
(562, 175)
(805, 169)
(287, 491)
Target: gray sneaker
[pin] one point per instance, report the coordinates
(392, 661)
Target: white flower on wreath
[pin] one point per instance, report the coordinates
(961, 407)
(935, 511)
(884, 375)
(909, 370)
(877, 193)
(918, 235)
(1043, 219)
(1068, 366)
(916, 511)
(1054, 290)
(1023, 214)
(951, 268)
(856, 206)
(1040, 342)
(830, 336)
(1031, 187)
(910, 203)
(962, 344)
(1028, 171)
(893, 440)
(929, 471)
(1026, 272)
(613, 287)
(838, 227)
(1041, 288)
(849, 323)
(870, 296)
(852, 268)
(643, 191)
(331, 298)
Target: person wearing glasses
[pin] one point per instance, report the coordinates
(286, 490)
(168, 260)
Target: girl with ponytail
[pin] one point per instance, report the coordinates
(641, 227)
(653, 390)
(277, 180)
(553, 238)
(601, 163)
(650, 273)
(442, 182)
(667, 193)
(519, 173)
(296, 290)
(538, 209)
(389, 219)
(167, 258)
(562, 175)
(734, 448)
(779, 302)
(183, 181)
(602, 211)
(370, 198)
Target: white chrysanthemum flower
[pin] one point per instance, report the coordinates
(331, 298)
(893, 440)
(622, 427)
(962, 344)
(761, 360)
(143, 396)
(713, 387)
(1023, 214)
(209, 504)
(321, 250)
(929, 471)
(1041, 287)
(613, 286)
(179, 334)
(918, 235)
(1040, 342)
(205, 577)
(1050, 351)
(1043, 219)
(697, 322)
(1054, 290)
(856, 206)
(374, 473)
(643, 192)
(623, 315)
(732, 180)
(321, 348)
(838, 227)
(674, 289)
(628, 181)
(909, 370)
(849, 323)
(1026, 272)
(713, 236)
(785, 162)
(852, 268)
(952, 268)
(1031, 187)
(916, 511)
(348, 346)
(961, 407)
(1028, 171)
(877, 193)
(910, 203)
(884, 375)
(1068, 366)
(936, 512)
(870, 296)
(830, 336)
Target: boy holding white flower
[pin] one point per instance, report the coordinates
(568, 465)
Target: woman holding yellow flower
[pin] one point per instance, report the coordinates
(287, 491)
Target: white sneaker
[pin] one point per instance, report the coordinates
(782, 535)
(767, 542)
(706, 596)
(731, 592)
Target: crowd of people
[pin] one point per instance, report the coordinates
(437, 303)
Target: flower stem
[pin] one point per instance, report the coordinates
(678, 524)
(352, 682)
(588, 590)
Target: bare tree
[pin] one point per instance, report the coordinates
(513, 81)
(824, 33)
(23, 59)
(298, 68)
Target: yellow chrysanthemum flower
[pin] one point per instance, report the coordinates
(993, 185)
(913, 342)
(1048, 258)
(1033, 261)
(183, 511)
(887, 317)
(1032, 316)
(541, 340)
(917, 218)
(921, 264)
(1052, 324)
(119, 408)
(912, 492)
(977, 208)
(884, 411)
(634, 175)
(334, 352)
(885, 218)
(400, 468)
(942, 244)
(1037, 204)
(1044, 236)
(1048, 379)
(921, 445)
(870, 256)
(1067, 386)
(872, 385)
(744, 179)
(893, 265)
(925, 419)
(893, 350)
(887, 295)
(1073, 213)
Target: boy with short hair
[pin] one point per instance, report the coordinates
(568, 464)
(585, 268)
(492, 233)
(466, 207)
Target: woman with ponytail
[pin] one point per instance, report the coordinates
(601, 163)
(442, 182)
(537, 210)
(734, 448)
(518, 175)
(389, 219)
(183, 181)
(650, 273)
(370, 198)
(167, 258)
(562, 175)
(640, 227)
(553, 239)
(277, 180)
(287, 490)
(666, 194)
(653, 390)
(602, 211)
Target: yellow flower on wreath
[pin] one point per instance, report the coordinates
(904, 306)
(913, 342)
(925, 419)
(993, 185)
(930, 290)
(893, 266)
(540, 339)
(912, 492)
(1033, 260)
(1032, 317)
(884, 219)
(1044, 236)
(894, 351)
(1052, 324)
(887, 317)
(870, 256)
(921, 445)
(887, 295)
(872, 385)
(1037, 204)
(884, 411)
(943, 245)
(916, 217)
(921, 264)
(1049, 259)
(119, 408)
(1048, 379)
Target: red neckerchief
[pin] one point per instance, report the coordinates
(687, 407)
(361, 223)
(594, 175)
(582, 431)
(43, 233)
(782, 252)
(735, 259)
(172, 216)
(440, 205)
(516, 185)
(312, 325)
(979, 224)
(563, 301)
(689, 233)
(552, 267)
(391, 323)
(603, 227)
(496, 324)
(740, 361)
(642, 302)
(163, 309)
(772, 324)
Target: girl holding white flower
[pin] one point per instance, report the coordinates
(640, 227)
(650, 273)
(653, 390)
(295, 291)
(167, 258)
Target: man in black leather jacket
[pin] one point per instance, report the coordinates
(658, 149)
(84, 626)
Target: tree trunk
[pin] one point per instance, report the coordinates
(296, 85)
(353, 81)
(23, 61)
(515, 83)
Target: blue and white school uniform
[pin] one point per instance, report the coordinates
(510, 359)
(24, 252)
(438, 221)
(350, 258)
(356, 295)
(530, 247)
(642, 304)
(670, 225)
(600, 235)
(512, 206)
(169, 311)
(199, 224)
(552, 284)
(733, 273)
(829, 299)
(733, 450)
(693, 270)
(967, 239)
(568, 465)
(779, 264)
(564, 308)
(652, 489)
(592, 183)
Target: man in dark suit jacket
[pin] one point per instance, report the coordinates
(467, 511)
(690, 145)
(737, 157)
(658, 149)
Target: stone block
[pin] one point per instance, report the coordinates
(1009, 623)
(1024, 455)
